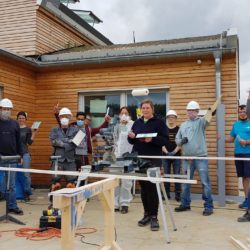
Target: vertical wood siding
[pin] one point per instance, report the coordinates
(187, 81)
(52, 34)
(18, 26)
(28, 29)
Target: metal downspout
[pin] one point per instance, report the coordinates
(220, 130)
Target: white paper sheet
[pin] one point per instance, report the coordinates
(146, 135)
(36, 125)
(78, 138)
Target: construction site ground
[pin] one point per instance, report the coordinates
(194, 231)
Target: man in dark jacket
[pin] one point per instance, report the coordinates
(10, 146)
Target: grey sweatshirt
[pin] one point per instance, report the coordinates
(194, 130)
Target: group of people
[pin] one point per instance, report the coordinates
(168, 138)
(16, 136)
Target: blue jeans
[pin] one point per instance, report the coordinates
(176, 163)
(202, 167)
(248, 199)
(11, 196)
(27, 179)
(2, 189)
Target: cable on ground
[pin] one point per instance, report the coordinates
(46, 233)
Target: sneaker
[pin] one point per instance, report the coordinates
(2, 197)
(182, 209)
(244, 218)
(243, 205)
(16, 211)
(144, 221)
(26, 197)
(117, 209)
(154, 224)
(207, 212)
(177, 197)
(124, 210)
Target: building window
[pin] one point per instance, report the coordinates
(96, 103)
(159, 99)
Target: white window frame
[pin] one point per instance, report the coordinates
(123, 95)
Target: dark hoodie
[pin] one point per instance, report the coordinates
(10, 143)
(153, 125)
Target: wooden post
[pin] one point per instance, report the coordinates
(107, 201)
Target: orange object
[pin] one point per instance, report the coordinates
(55, 186)
(70, 185)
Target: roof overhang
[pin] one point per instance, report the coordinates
(157, 51)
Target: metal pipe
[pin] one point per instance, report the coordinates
(220, 130)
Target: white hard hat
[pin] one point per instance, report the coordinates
(6, 103)
(65, 111)
(193, 105)
(171, 112)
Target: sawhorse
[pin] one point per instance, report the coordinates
(71, 202)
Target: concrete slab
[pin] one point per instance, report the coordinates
(194, 231)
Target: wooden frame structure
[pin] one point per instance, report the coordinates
(71, 202)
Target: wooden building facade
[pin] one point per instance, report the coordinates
(34, 27)
(175, 71)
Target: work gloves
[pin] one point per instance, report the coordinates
(184, 140)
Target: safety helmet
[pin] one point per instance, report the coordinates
(6, 103)
(65, 111)
(193, 105)
(171, 112)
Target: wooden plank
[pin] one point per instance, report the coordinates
(238, 244)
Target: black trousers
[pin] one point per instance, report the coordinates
(149, 198)
(79, 162)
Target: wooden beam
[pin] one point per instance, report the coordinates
(238, 244)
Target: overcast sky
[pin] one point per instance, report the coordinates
(167, 19)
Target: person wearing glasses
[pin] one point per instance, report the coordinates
(191, 137)
(240, 135)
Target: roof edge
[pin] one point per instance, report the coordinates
(71, 18)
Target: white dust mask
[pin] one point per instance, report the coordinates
(64, 121)
(124, 118)
(5, 114)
